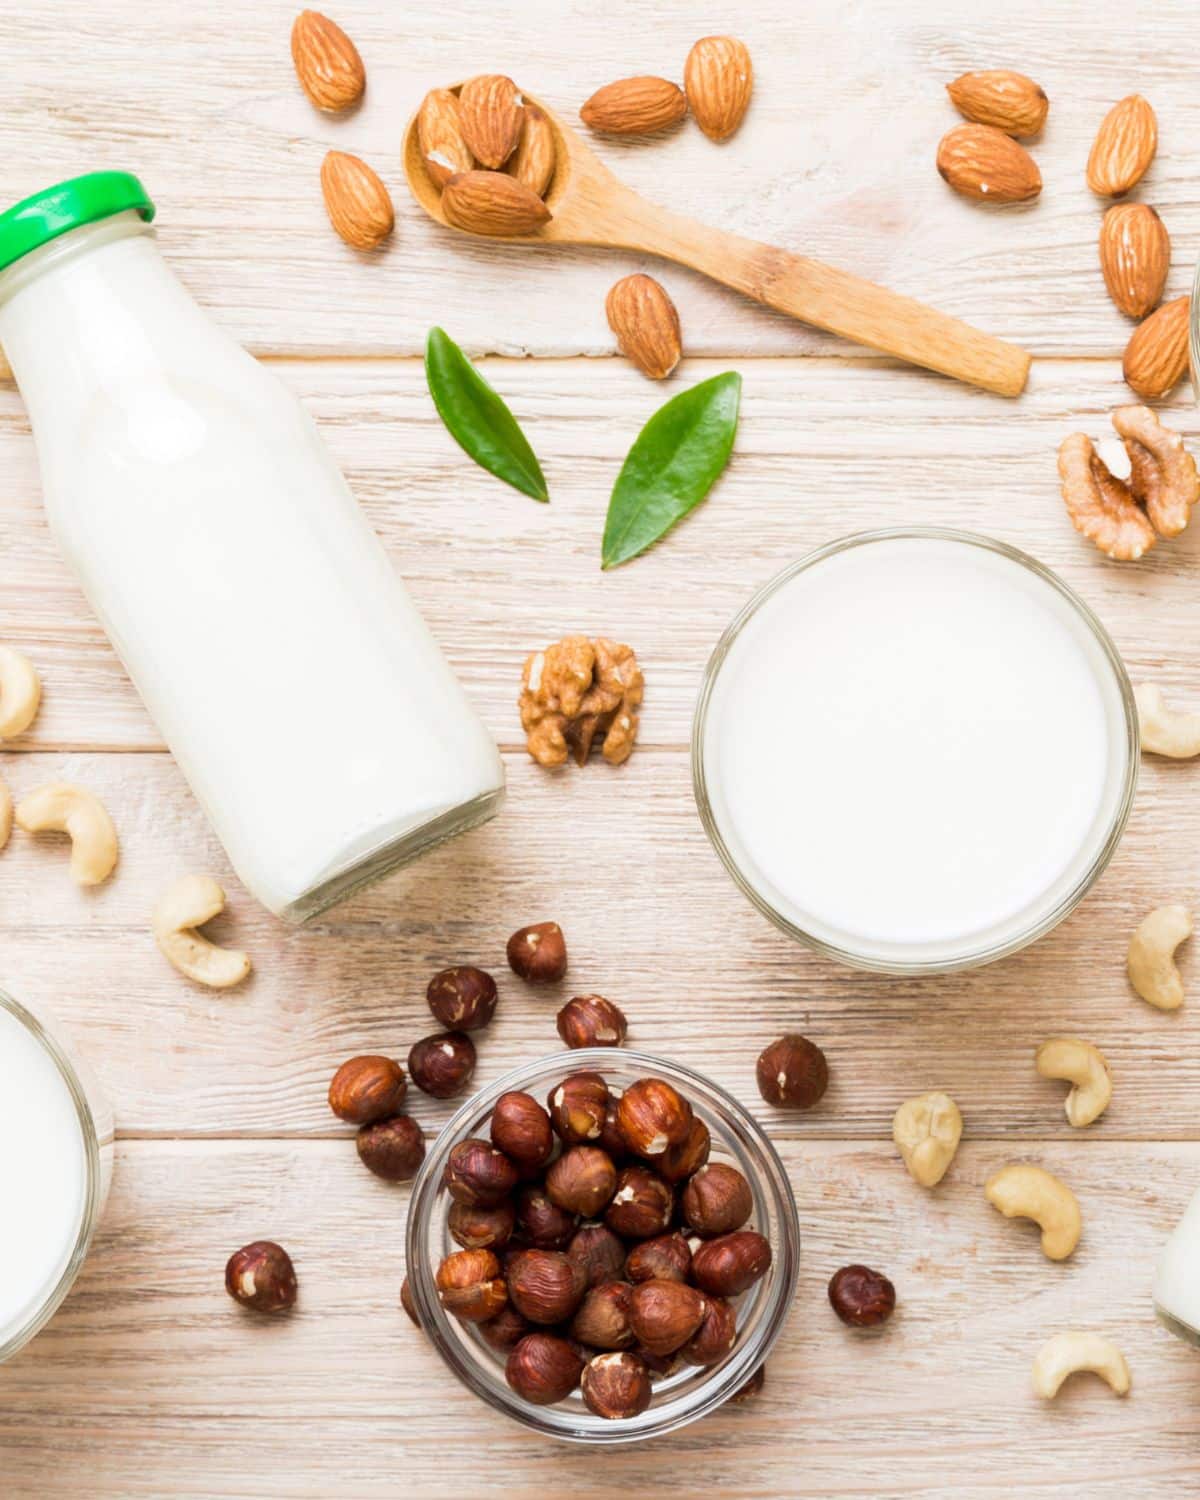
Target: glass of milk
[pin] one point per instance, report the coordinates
(54, 1172)
(255, 609)
(1177, 1280)
(915, 750)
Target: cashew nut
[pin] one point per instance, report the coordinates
(927, 1130)
(6, 813)
(1022, 1191)
(186, 905)
(62, 808)
(1066, 1353)
(1163, 731)
(1082, 1065)
(1152, 970)
(20, 693)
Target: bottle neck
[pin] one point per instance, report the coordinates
(66, 248)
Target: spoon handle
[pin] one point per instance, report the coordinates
(830, 299)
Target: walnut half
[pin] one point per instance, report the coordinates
(576, 691)
(1124, 518)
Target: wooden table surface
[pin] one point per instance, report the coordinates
(149, 1382)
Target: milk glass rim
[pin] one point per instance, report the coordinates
(736, 1135)
(967, 957)
(90, 1214)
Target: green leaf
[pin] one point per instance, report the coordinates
(477, 419)
(671, 466)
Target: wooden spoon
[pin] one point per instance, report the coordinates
(592, 207)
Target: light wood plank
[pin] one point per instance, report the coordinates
(152, 1383)
(824, 448)
(652, 920)
(836, 159)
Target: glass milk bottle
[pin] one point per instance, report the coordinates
(253, 606)
(1177, 1280)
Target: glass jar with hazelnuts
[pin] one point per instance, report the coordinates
(603, 1245)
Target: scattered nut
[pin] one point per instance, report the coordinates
(1163, 731)
(442, 1065)
(20, 693)
(616, 1386)
(668, 1257)
(591, 1021)
(6, 813)
(1163, 477)
(62, 808)
(716, 1335)
(367, 1088)
(407, 1303)
(1124, 147)
(665, 1314)
(545, 1286)
(681, 1161)
(652, 1116)
(646, 324)
(861, 1297)
(357, 202)
(1023, 1191)
(717, 1200)
(635, 106)
(440, 136)
(1085, 1068)
(543, 1369)
(578, 1107)
(1156, 356)
(927, 1131)
(393, 1149)
(642, 1205)
(1066, 1353)
(521, 1128)
(478, 1174)
(577, 691)
(470, 1285)
(506, 1329)
(1151, 961)
(462, 999)
(1135, 256)
(261, 1275)
(327, 63)
(1009, 101)
(481, 1228)
(792, 1073)
(718, 78)
(731, 1264)
(185, 906)
(542, 1223)
(538, 954)
(983, 163)
(602, 1321)
(752, 1387)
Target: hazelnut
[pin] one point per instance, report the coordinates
(477, 1228)
(591, 1021)
(544, 1285)
(471, 1286)
(602, 1321)
(666, 1258)
(392, 1149)
(752, 1387)
(366, 1089)
(861, 1297)
(598, 1251)
(728, 1265)
(717, 1200)
(582, 1180)
(407, 1303)
(665, 1314)
(610, 1138)
(616, 1386)
(679, 1162)
(641, 1206)
(659, 1365)
(462, 999)
(578, 1107)
(716, 1335)
(652, 1116)
(543, 1369)
(543, 1223)
(538, 954)
(479, 1175)
(261, 1275)
(442, 1065)
(507, 1328)
(521, 1128)
(792, 1073)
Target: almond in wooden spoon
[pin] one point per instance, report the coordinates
(1156, 357)
(535, 158)
(440, 133)
(635, 106)
(491, 116)
(1124, 147)
(492, 203)
(718, 77)
(327, 63)
(1009, 101)
(646, 324)
(358, 204)
(983, 163)
(1135, 255)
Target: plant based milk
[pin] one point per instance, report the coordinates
(1177, 1281)
(915, 749)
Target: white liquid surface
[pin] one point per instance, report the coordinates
(914, 743)
(43, 1175)
(1177, 1282)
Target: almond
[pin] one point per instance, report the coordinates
(491, 115)
(1124, 147)
(1156, 357)
(635, 106)
(327, 63)
(646, 324)
(1135, 254)
(492, 203)
(718, 77)
(536, 154)
(439, 133)
(982, 162)
(358, 204)
(1009, 101)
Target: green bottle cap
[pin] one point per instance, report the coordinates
(81, 200)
